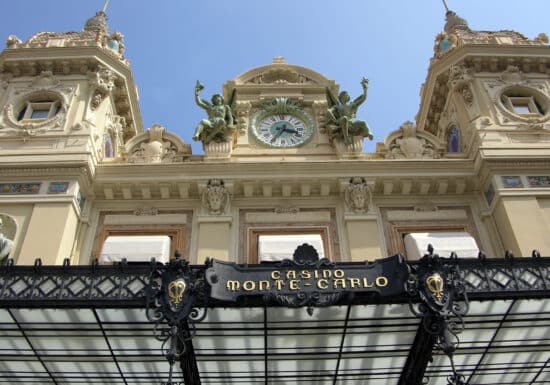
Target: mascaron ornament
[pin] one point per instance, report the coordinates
(215, 197)
(358, 195)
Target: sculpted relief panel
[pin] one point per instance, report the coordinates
(156, 146)
(409, 143)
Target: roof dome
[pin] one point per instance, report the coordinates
(97, 23)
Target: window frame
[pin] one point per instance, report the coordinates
(529, 101)
(255, 232)
(175, 232)
(30, 107)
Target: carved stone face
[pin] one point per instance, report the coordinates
(358, 197)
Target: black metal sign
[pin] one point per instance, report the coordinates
(306, 281)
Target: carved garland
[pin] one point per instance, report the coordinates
(29, 127)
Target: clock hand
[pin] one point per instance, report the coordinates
(281, 130)
(291, 130)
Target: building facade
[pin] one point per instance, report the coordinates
(78, 166)
(283, 164)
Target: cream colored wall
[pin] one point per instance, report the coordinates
(213, 241)
(50, 234)
(21, 214)
(522, 225)
(363, 240)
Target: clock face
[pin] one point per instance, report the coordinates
(282, 130)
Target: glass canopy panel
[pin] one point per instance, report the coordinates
(12, 340)
(229, 346)
(518, 353)
(23, 369)
(507, 345)
(377, 341)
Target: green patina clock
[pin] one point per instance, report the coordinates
(282, 123)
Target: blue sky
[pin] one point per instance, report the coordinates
(173, 43)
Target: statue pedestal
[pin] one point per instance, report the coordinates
(217, 150)
(352, 150)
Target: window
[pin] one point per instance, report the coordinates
(413, 226)
(133, 242)
(453, 144)
(135, 248)
(443, 242)
(39, 110)
(521, 103)
(108, 148)
(275, 247)
(269, 245)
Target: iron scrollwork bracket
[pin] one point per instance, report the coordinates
(443, 302)
(306, 257)
(177, 298)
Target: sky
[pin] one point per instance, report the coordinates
(173, 43)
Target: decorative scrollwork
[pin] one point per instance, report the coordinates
(306, 256)
(444, 303)
(176, 298)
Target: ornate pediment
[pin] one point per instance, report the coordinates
(279, 72)
(280, 76)
(157, 146)
(410, 143)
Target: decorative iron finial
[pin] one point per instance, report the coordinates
(445, 5)
(106, 3)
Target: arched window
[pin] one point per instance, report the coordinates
(108, 148)
(453, 143)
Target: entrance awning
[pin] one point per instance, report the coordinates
(98, 333)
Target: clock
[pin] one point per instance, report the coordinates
(282, 130)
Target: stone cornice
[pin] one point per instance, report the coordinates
(276, 169)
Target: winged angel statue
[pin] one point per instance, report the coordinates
(220, 118)
(341, 113)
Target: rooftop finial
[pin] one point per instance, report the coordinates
(445, 5)
(104, 9)
(99, 21)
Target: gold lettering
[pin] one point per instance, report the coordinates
(291, 274)
(381, 281)
(233, 285)
(366, 283)
(275, 274)
(316, 274)
(341, 282)
(305, 274)
(322, 284)
(280, 283)
(249, 285)
(293, 283)
(339, 273)
(263, 285)
(354, 282)
(327, 273)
